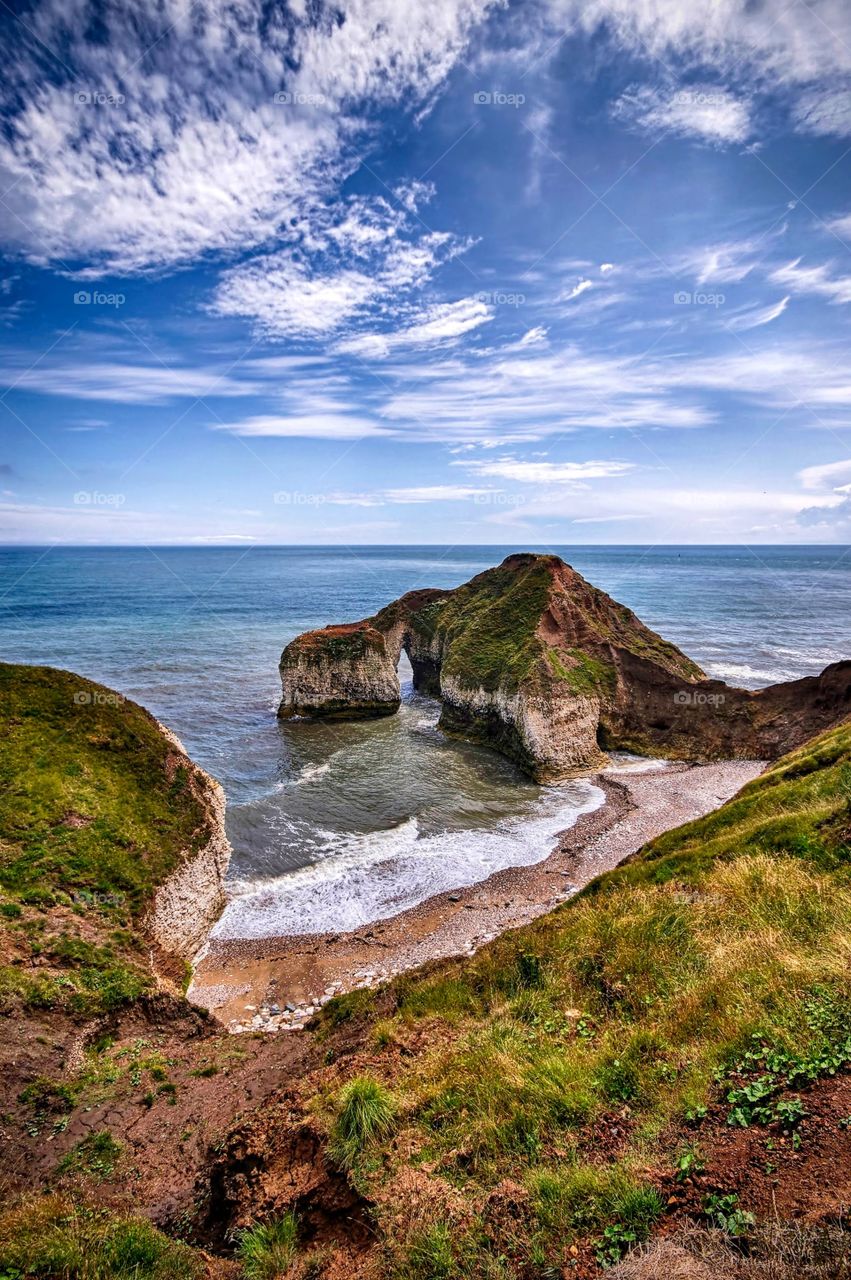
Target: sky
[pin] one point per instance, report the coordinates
(386, 271)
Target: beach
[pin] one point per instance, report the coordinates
(278, 983)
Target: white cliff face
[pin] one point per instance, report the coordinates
(554, 732)
(324, 679)
(190, 901)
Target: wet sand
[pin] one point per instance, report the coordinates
(276, 984)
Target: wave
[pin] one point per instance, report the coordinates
(311, 772)
(368, 877)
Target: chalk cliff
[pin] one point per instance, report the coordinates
(533, 660)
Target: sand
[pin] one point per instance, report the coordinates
(276, 984)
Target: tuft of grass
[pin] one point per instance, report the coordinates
(267, 1250)
(365, 1114)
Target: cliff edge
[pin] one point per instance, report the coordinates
(532, 659)
(108, 826)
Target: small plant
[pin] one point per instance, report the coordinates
(615, 1242)
(366, 1112)
(94, 1156)
(430, 1254)
(723, 1212)
(688, 1163)
(266, 1250)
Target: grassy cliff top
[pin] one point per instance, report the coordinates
(342, 642)
(501, 624)
(696, 988)
(96, 808)
(490, 624)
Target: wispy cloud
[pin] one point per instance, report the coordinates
(704, 112)
(819, 280)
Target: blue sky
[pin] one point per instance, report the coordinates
(548, 272)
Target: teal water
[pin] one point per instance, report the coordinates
(336, 825)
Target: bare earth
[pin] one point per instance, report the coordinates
(277, 983)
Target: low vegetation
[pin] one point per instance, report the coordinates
(95, 809)
(576, 1058)
(53, 1238)
(536, 1111)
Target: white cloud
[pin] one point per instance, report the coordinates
(439, 323)
(578, 289)
(542, 473)
(179, 147)
(824, 475)
(818, 280)
(784, 44)
(825, 111)
(338, 263)
(756, 317)
(316, 426)
(704, 112)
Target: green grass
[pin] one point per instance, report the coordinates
(268, 1249)
(96, 810)
(51, 1238)
(710, 969)
(365, 1114)
(490, 626)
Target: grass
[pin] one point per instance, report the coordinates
(712, 969)
(365, 1113)
(96, 810)
(51, 1238)
(267, 1250)
(490, 624)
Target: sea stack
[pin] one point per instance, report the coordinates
(533, 660)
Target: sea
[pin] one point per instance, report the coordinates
(335, 826)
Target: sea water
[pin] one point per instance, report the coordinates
(336, 825)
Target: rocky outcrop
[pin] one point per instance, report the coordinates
(533, 660)
(189, 902)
